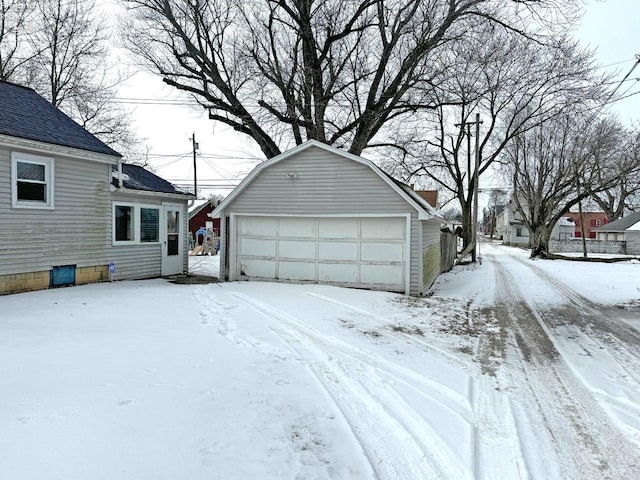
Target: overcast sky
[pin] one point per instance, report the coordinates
(609, 26)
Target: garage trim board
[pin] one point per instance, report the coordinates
(357, 250)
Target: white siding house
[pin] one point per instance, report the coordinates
(319, 214)
(627, 230)
(62, 193)
(510, 228)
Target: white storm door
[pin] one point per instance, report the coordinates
(172, 241)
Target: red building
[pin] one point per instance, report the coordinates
(198, 217)
(591, 221)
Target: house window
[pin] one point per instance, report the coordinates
(518, 232)
(123, 223)
(598, 223)
(31, 181)
(149, 224)
(134, 224)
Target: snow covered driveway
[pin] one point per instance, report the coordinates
(484, 380)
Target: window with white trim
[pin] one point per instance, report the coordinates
(31, 181)
(135, 223)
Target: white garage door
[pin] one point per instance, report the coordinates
(362, 252)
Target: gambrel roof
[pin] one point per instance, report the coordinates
(25, 114)
(424, 209)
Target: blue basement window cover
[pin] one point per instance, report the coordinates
(63, 275)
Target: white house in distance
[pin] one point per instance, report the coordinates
(627, 229)
(511, 229)
(71, 211)
(318, 214)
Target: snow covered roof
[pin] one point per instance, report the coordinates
(136, 177)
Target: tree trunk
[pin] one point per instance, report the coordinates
(467, 224)
(539, 239)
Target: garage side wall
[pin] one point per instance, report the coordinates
(431, 254)
(317, 182)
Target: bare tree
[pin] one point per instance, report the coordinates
(554, 167)
(515, 85)
(624, 194)
(59, 48)
(14, 15)
(338, 71)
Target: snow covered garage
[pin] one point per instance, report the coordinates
(321, 215)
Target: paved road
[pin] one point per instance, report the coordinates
(549, 352)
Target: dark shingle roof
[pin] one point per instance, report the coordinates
(622, 224)
(25, 114)
(137, 178)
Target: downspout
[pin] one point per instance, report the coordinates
(120, 173)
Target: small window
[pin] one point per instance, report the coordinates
(134, 223)
(598, 223)
(31, 181)
(123, 220)
(149, 224)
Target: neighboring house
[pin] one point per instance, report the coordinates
(510, 228)
(319, 214)
(70, 208)
(592, 220)
(200, 216)
(563, 230)
(627, 229)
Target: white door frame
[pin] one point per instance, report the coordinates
(172, 264)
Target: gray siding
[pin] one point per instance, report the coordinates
(78, 231)
(633, 242)
(325, 183)
(134, 261)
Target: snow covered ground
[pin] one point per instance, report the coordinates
(511, 369)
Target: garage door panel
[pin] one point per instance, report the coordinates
(357, 251)
(382, 274)
(253, 267)
(382, 252)
(257, 247)
(297, 227)
(337, 228)
(383, 228)
(297, 249)
(338, 251)
(257, 226)
(296, 270)
(338, 272)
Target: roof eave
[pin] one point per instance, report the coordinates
(53, 149)
(148, 193)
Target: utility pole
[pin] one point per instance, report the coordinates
(194, 144)
(476, 176)
(471, 248)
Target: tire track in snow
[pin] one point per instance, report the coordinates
(594, 334)
(602, 319)
(564, 414)
(409, 339)
(496, 455)
(398, 441)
